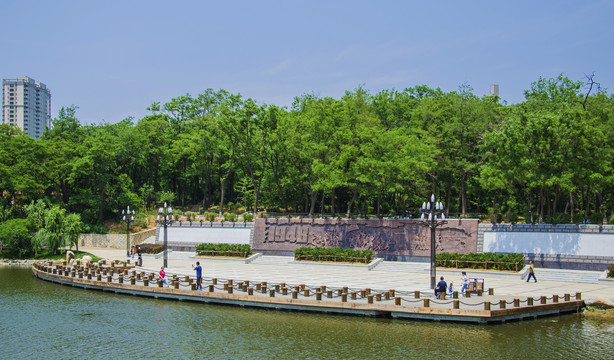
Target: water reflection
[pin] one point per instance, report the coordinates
(73, 323)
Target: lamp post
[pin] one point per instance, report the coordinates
(165, 218)
(430, 211)
(128, 218)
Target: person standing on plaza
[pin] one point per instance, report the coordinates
(531, 272)
(140, 254)
(199, 275)
(464, 282)
(132, 253)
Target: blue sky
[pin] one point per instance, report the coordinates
(112, 59)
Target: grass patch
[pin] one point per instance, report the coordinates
(598, 312)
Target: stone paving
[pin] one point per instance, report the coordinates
(356, 277)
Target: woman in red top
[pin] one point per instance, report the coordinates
(162, 275)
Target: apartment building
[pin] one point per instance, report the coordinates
(26, 103)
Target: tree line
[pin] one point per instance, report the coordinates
(548, 158)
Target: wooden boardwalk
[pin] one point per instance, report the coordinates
(298, 297)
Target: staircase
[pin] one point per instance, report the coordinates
(273, 260)
(410, 267)
(576, 276)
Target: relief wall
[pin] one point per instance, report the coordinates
(389, 239)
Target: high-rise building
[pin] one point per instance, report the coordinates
(26, 104)
(494, 90)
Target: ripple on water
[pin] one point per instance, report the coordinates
(71, 322)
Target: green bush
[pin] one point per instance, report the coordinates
(16, 235)
(595, 218)
(490, 261)
(210, 216)
(611, 271)
(190, 216)
(248, 216)
(152, 248)
(228, 216)
(333, 254)
(562, 218)
(209, 249)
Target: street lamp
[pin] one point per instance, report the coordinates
(430, 211)
(128, 218)
(165, 218)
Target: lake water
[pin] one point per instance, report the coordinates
(40, 319)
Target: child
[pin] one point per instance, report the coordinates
(450, 291)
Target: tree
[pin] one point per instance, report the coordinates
(15, 235)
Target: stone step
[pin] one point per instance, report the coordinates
(399, 266)
(273, 260)
(590, 277)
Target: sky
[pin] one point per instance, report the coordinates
(113, 59)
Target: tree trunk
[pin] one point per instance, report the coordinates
(464, 193)
(354, 194)
(448, 194)
(379, 199)
(571, 206)
(322, 204)
(530, 207)
(332, 202)
(313, 195)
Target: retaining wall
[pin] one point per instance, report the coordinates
(567, 246)
(115, 241)
(396, 240)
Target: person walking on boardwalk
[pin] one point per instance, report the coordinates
(531, 272)
(199, 276)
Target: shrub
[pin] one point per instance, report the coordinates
(333, 254)
(491, 261)
(595, 218)
(210, 216)
(152, 248)
(248, 216)
(228, 216)
(562, 218)
(242, 250)
(190, 216)
(611, 271)
(15, 235)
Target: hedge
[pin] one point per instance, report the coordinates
(151, 248)
(333, 254)
(223, 249)
(491, 261)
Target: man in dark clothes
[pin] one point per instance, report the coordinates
(440, 288)
(199, 276)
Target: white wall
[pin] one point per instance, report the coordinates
(206, 235)
(550, 243)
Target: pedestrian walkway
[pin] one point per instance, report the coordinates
(399, 276)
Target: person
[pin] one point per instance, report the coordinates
(440, 288)
(531, 272)
(450, 290)
(199, 276)
(140, 254)
(464, 282)
(162, 275)
(132, 252)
